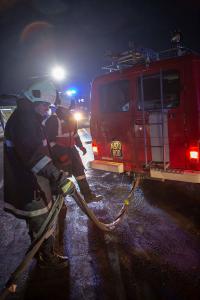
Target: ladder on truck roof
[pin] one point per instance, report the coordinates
(142, 56)
(132, 57)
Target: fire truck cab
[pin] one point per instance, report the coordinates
(145, 116)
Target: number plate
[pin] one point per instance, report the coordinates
(116, 148)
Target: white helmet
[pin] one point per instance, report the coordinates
(41, 91)
(63, 100)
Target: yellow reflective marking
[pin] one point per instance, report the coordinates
(67, 187)
(126, 202)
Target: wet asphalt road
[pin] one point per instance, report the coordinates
(1, 164)
(153, 254)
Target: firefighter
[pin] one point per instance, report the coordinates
(30, 177)
(61, 129)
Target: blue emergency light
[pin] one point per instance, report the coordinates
(71, 92)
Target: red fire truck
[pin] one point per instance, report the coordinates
(145, 116)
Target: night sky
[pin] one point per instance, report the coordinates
(37, 34)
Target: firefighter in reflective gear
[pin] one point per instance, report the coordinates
(30, 177)
(61, 129)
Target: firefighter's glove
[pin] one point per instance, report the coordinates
(59, 182)
(84, 151)
(65, 186)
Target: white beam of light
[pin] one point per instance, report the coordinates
(58, 73)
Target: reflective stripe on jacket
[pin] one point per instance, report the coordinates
(66, 134)
(62, 136)
(62, 132)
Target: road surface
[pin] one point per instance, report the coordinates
(153, 254)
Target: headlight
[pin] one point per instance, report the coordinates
(78, 116)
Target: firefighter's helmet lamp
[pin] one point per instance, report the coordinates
(41, 91)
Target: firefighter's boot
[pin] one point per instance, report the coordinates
(48, 259)
(88, 195)
(52, 261)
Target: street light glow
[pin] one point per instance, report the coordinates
(58, 73)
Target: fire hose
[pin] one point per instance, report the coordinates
(43, 233)
(46, 229)
(103, 226)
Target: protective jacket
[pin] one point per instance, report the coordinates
(28, 167)
(63, 129)
(62, 133)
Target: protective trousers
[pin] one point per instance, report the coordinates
(77, 169)
(83, 186)
(34, 225)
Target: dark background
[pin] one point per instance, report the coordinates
(37, 34)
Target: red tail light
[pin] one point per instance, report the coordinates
(194, 154)
(94, 147)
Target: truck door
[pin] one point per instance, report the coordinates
(114, 132)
